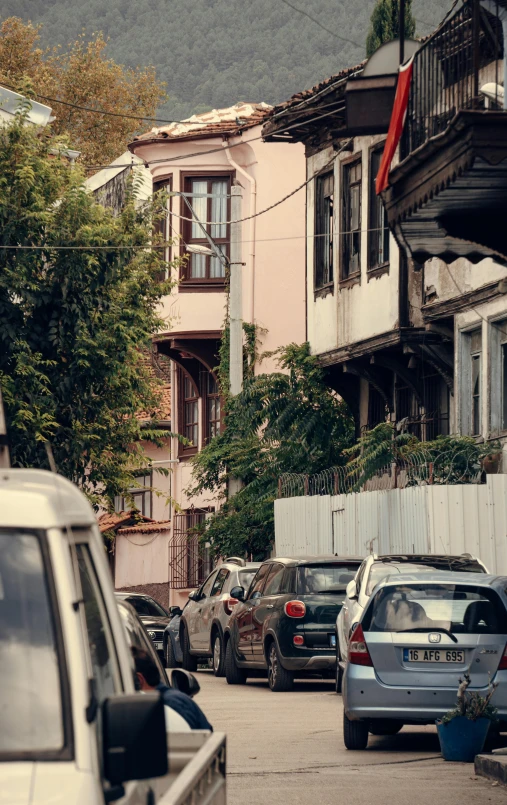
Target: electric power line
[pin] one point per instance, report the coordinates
(316, 21)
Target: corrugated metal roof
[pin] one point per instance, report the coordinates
(232, 120)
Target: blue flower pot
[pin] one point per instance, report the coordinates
(461, 739)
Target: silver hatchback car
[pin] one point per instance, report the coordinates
(417, 636)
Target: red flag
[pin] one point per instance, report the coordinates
(396, 124)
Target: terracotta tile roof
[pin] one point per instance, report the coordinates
(145, 528)
(232, 120)
(308, 94)
(112, 521)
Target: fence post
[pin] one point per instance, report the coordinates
(335, 477)
(279, 487)
(431, 473)
(306, 485)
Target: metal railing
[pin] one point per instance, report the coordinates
(189, 560)
(445, 76)
(419, 468)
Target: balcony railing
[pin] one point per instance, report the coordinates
(446, 73)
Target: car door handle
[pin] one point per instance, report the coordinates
(249, 609)
(270, 606)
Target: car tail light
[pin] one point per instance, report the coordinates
(298, 640)
(229, 604)
(503, 661)
(295, 609)
(358, 650)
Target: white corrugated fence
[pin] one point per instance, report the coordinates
(453, 519)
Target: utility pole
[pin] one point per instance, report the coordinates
(235, 310)
(236, 297)
(5, 462)
(401, 31)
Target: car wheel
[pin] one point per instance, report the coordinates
(218, 656)
(233, 674)
(384, 727)
(279, 679)
(169, 658)
(355, 733)
(189, 661)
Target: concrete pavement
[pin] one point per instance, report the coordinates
(287, 749)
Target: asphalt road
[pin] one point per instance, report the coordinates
(287, 749)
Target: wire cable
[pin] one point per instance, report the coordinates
(316, 21)
(100, 111)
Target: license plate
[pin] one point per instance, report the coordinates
(158, 646)
(332, 640)
(433, 655)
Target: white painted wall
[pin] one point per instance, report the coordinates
(451, 519)
(141, 559)
(370, 308)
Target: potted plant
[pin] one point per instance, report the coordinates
(463, 730)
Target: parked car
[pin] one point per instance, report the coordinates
(417, 636)
(375, 568)
(137, 637)
(286, 622)
(207, 612)
(152, 614)
(173, 656)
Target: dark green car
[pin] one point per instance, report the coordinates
(285, 622)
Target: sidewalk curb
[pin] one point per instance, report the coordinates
(494, 767)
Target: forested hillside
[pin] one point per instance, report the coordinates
(212, 53)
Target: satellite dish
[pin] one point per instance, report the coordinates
(386, 60)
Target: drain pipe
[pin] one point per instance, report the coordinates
(253, 207)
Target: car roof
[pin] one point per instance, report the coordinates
(426, 557)
(123, 595)
(447, 577)
(314, 560)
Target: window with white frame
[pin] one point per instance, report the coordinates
(138, 496)
(324, 235)
(498, 377)
(471, 380)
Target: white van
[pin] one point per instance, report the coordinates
(73, 729)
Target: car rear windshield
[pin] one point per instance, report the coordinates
(455, 608)
(148, 607)
(382, 571)
(325, 578)
(30, 700)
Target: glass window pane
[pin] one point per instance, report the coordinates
(102, 662)
(197, 265)
(200, 206)
(354, 207)
(31, 707)
(217, 267)
(219, 209)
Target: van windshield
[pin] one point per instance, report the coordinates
(30, 695)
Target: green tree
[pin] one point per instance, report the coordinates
(73, 317)
(281, 422)
(83, 76)
(384, 24)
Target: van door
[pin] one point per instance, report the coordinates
(104, 664)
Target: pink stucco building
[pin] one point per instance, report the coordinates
(204, 157)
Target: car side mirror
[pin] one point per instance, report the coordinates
(351, 591)
(175, 611)
(185, 682)
(134, 737)
(194, 595)
(238, 592)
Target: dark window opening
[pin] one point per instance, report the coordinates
(378, 230)
(476, 356)
(351, 220)
(190, 412)
(324, 235)
(377, 409)
(213, 406)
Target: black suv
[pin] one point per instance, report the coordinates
(286, 622)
